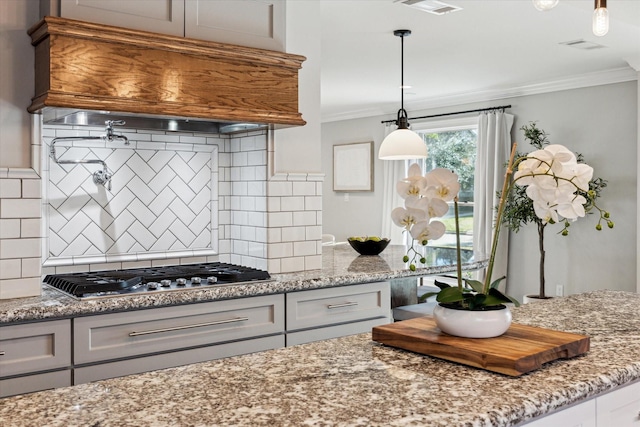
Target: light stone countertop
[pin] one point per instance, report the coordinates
(353, 381)
(341, 265)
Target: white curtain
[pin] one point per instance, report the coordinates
(494, 147)
(392, 171)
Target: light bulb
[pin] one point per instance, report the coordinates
(600, 21)
(544, 5)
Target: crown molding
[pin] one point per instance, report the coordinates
(617, 75)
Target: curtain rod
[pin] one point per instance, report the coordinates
(502, 107)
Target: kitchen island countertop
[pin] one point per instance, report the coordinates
(341, 265)
(353, 381)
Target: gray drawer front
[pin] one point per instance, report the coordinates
(34, 347)
(37, 382)
(329, 306)
(129, 334)
(167, 360)
(335, 331)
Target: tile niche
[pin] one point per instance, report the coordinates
(176, 198)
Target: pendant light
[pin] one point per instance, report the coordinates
(544, 5)
(402, 143)
(600, 18)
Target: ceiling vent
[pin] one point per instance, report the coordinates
(431, 6)
(582, 44)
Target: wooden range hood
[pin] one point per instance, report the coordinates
(100, 68)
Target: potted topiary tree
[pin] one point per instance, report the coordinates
(520, 210)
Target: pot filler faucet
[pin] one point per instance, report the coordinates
(103, 176)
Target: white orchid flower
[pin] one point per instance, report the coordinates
(424, 231)
(545, 211)
(433, 207)
(405, 218)
(561, 156)
(532, 167)
(579, 174)
(573, 209)
(413, 185)
(442, 184)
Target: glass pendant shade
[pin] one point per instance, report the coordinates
(600, 21)
(544, 5)
(402, 144)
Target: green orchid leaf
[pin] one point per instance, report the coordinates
(495, 283)
(450, 294)
(423, 298)
(441, 285)
(504, 297)
(476, 285)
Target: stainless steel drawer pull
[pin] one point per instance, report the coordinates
(1, 353)
(345, 304)
(198, 325)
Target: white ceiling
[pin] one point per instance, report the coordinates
(489, 47)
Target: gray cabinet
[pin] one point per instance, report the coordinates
(253, 23)
(185, 334)
(30, 352)
(333, 312)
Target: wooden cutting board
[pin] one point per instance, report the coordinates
(519, 350)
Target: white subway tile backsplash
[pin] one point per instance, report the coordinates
(304, 218)
(80, 245)
(31, 189)
(313, 203)
(280, 250)
(166, 240)
(293, 234)
(20, 208)
(304, 188)
(31, 267)
(9, 228)
(248, 173)
(313, 262)
(292, 264)
(280, 219)
(20, 248)
(292, 203)
(256, 188)
(280, 188)
(73, 228)
(257, 219)
(239, 189)
(304, 248)
(31, 227)
(313, 232)
(20, 288)
(274, 235)
(10, 269)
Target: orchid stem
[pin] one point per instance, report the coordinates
(498, 223)
(459, 265)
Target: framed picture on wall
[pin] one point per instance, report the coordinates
(353, 167)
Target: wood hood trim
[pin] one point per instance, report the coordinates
(91, 66)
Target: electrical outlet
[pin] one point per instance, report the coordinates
(559, 290)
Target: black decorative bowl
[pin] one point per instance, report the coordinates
(365, 246)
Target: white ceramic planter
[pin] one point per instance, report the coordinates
(472, 324)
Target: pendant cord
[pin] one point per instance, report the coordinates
(402, 72)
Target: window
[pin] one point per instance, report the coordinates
(452, 144)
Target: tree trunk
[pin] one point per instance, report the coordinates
(541, 227)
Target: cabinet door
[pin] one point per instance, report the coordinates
(33, 347)
(158, 16)
(580, 415)
(253, 23)
(330, 306)
(620, 408)
(136, 333)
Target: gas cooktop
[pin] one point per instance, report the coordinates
(154, 279)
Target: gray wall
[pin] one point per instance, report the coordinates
(600, 122)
